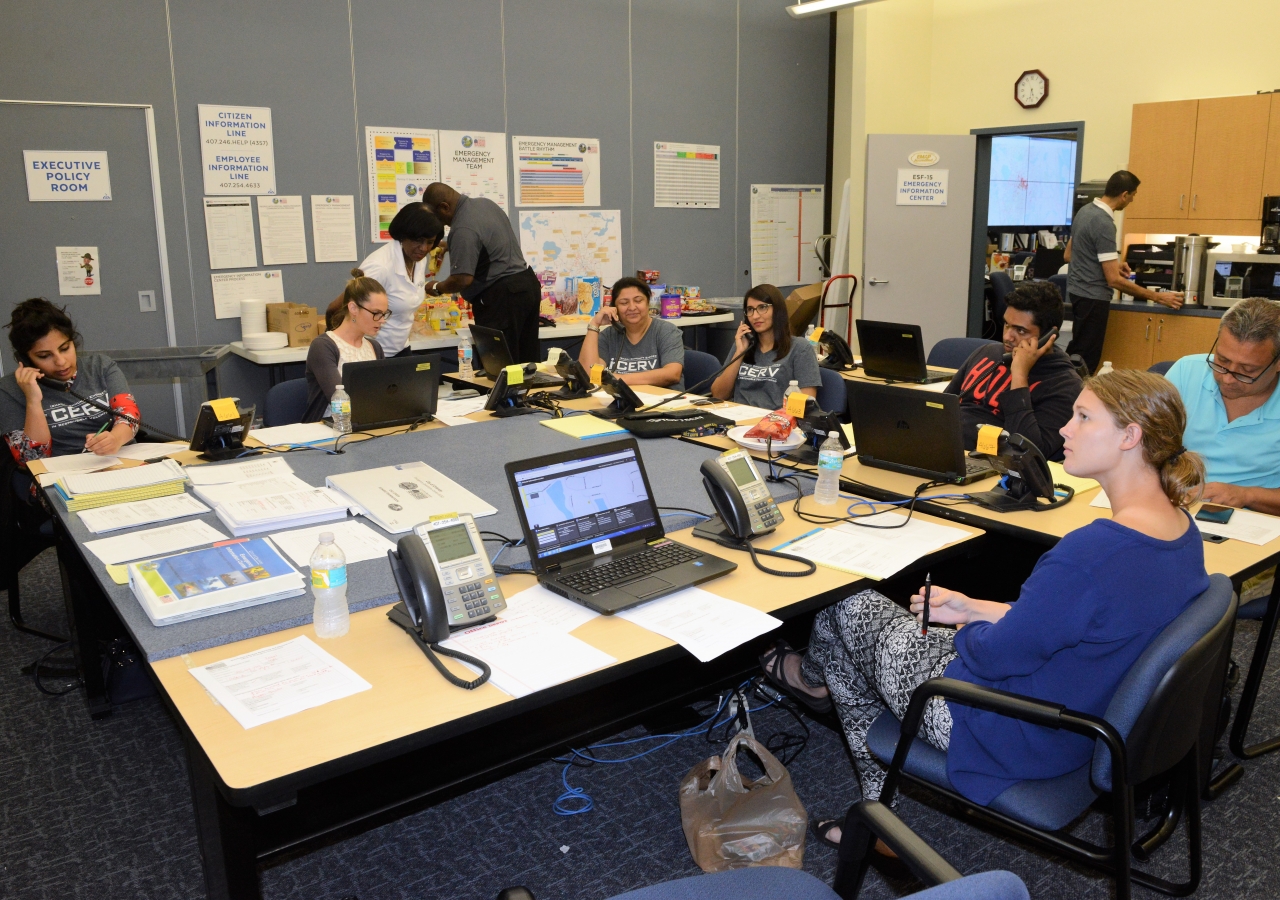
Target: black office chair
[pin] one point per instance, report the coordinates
(1002, 287)
(950, 353)
(698, 368)
(1022, 257)
(1162, 368)
(831, 395)
(286, 403)
(24, 535)
(1152, 726)
(1060, 282)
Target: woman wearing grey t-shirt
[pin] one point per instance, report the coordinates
(770, 358)
(636, 347)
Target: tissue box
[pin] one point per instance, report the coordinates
(302, 323)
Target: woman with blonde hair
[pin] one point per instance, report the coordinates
(353, 322)
(1090, 607)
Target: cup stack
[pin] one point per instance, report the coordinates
(253, 317)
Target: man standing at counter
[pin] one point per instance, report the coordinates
(1096, 269)
(1233, 407)
(487, 267)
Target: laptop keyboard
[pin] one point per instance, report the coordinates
(652, 559)
(938, 373)
(973, 466)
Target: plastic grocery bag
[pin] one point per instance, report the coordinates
(731, 823)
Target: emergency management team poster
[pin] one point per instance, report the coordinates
(237, 151)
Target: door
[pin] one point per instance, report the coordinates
(122, 228)
(916, 258)
(1179, 336)
(1128, 341)
(1161, 151)
(1231, 149)
(1271, 171)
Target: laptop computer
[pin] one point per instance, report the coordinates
(594, 532)
(491, 345)
(895, 352)
(912, 431)
(395, 391)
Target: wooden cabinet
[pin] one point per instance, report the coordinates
(1161, 153)
(1139, 339)
(1271, 170)
(1231, 149)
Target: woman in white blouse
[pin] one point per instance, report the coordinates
(353, 320)
(401, 267)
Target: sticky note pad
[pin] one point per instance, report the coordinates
(796, 403)
(817, 334)
(515, 374)
(119, 574)
(225, 409)
(989, 439)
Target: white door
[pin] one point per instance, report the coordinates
(917, 237)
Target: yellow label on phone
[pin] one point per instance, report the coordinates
(989, 439)
(224, 408)
(796, 403)
(596, 372)
(515, 374)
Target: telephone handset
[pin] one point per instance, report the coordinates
(1044, 339)
(445, 581)
(739, 495)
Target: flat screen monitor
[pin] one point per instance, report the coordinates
(1032, 180)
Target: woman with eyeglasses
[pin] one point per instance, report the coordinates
(770, 358)
(401, 265)
(354, 321)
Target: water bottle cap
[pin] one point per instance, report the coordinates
(326, 537)
(337, 387)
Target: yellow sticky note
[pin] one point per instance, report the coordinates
(817, 334)
(119, 574)
(515, 374)
(989, 439)
(795, 404)
(225, 409)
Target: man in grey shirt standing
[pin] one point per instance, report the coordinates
(487, 267)
(1096, 269)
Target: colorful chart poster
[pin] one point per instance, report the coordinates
(554, 171)
(79, 272)
(475, 163)
(686, 175)
(402, 162)
(573, 243)
(237, 151)
(785, 220)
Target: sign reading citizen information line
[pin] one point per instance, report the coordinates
(67, 175)
(236, 150)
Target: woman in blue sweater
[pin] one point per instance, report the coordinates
(1090, 607)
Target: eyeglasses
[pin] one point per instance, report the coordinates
(1243, 379)
(377, 315)
(758, 311)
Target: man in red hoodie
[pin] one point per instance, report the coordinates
(1033, 394)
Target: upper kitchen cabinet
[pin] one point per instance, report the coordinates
(1231, 150)
(1161, 153)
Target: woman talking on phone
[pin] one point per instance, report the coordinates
(42, 421)
(770, 358)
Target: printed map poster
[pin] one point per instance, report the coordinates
(554, 171)
(237, 151)
(402, 162)
(475, 163)
(573, 243)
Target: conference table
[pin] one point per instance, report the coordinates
(290, 785)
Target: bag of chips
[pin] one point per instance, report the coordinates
(777, 425)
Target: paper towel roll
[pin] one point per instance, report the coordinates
(253, 317)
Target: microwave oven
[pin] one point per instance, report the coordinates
(1239, 275)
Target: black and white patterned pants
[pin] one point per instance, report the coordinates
(870, 654)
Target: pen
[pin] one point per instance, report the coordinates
(924, 622)
(98, 432)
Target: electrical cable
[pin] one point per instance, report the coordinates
(39, 665)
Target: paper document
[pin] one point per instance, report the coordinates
(246, 490)
(154, 542)
(876, 552)
(1245, 525)
(228, 224)
(140, 512)
(357, 540)
(151, 451)
(244, 471)
(229, 288)
(455, 412)
(526, 655)
(686, 175)
(556, 612)
(474, 163)
(278, 681)
(397, 498)
(123, 479)
(333, 227)
(78, 462)
(737, 412)
(1102, 501)
(281, 510)
(303, 433)
(704, 624)
(785, 220)
(1062, 476)
(284, 240)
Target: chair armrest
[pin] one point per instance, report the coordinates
(873, 816)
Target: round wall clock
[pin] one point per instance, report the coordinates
(1031, 89)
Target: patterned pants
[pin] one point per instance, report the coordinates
(870, 654)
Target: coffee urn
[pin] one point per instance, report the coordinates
(1190, 255)
(1270, 225)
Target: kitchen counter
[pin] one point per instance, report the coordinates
(1204, 312)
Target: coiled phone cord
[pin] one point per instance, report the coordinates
(133, 420)
(432, 649)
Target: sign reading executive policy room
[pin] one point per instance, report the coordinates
(236, 150)
(67, 175)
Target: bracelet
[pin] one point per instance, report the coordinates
(594, 329)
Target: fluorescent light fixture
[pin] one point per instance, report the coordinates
(814, 7)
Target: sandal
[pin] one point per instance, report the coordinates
(822, 830)
(883, 859)
(771, 664)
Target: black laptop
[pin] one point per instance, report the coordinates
(495, 356)
(912, 431)
(594, 532)
(895, 353)
(395, 391)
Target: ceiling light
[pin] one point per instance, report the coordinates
(814, 7)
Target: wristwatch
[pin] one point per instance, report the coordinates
(593, 328)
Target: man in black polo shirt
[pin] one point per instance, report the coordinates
(488, 269)
(1096, 269)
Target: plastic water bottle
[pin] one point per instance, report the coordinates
(808, 334)
(792, 388)
(465, 367)
(329, 584)
(830, 462)
(340, 408)
(1105, 367)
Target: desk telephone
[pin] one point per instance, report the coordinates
(445, 582)
(739, 495)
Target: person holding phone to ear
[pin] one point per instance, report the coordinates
(632, 344)
(769, 357)
(1030, 393)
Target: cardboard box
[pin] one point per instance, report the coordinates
(802, 307)
(302, 323)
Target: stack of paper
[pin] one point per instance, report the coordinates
(215, 494)
(152, 451)
(78, 462)
(95, 489)
(281, 510)
(250, 470)
(397, 498)
(875, 552)
(141, 512)
(455, 412)
(153, 542)
(221, 578)
(303, 434)
(357, 541)
(703, 623)
(583, 427)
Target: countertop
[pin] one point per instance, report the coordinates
(1204, 312)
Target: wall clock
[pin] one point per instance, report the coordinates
(1031, 89)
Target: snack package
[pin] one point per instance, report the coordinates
(777, 425)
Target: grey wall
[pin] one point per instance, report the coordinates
(738, 73)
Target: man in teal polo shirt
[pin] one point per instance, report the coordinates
(1233, 407)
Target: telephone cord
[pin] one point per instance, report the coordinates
(432, 649)
(132, 420)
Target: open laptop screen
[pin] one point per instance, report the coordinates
(573, 503)
(890, 350)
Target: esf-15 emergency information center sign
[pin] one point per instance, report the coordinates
(67, 175)
(922, 187)
(236, 150)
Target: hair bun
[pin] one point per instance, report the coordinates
(357, 273)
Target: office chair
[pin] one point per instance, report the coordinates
(286, 403)
(1060, 282)
(699, 366)
(950, 353)
(23, 537)
(1153, 725)
(1022, 257)
(831, 394)
(1162, 368)
(1002, 287)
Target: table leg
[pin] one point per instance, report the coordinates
(81, 595)
(224, 833)
(1253, 681)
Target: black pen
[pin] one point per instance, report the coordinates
(924, 622)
